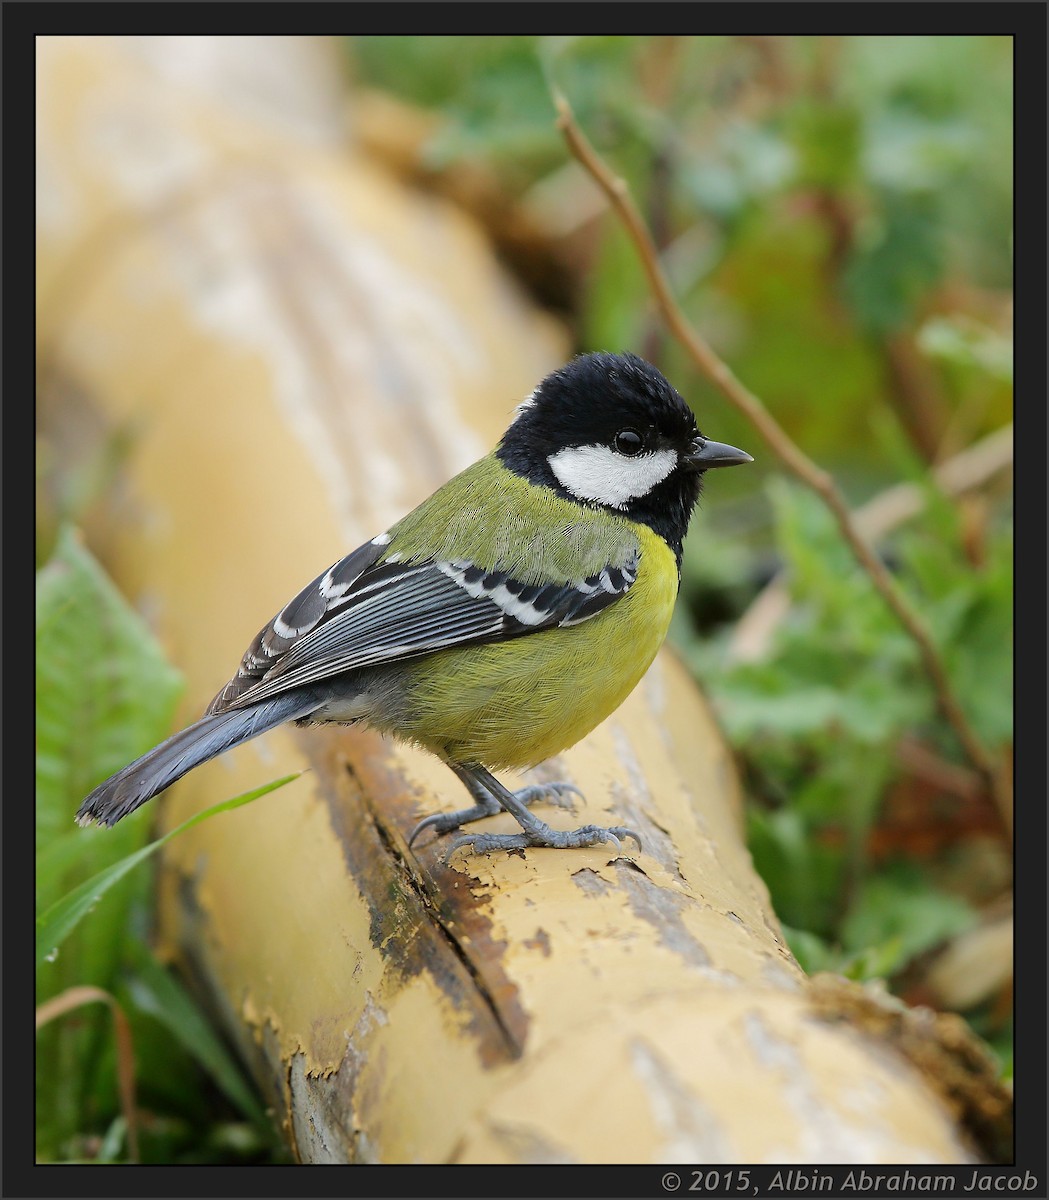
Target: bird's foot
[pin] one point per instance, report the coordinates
(541, 835)
(487, 806)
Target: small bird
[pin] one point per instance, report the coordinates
(496, 624)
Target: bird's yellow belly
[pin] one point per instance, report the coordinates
(516, 703)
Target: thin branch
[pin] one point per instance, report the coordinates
(793, 458)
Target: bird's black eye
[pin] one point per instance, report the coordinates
(629, 442)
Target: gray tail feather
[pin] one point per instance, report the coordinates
(160, 767)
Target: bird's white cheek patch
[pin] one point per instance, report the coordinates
(598, 473)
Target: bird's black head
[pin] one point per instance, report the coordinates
(608, 430)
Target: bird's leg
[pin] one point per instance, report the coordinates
(487, 805)
(536, 832)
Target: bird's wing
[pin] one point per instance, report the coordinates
(362, 612)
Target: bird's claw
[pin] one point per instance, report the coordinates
(434, 821)
(555, 792)
(623, 832)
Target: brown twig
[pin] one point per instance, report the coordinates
(793, 458)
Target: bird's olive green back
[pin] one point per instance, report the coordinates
(500, 521)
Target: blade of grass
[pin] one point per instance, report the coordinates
(156, 991)
(74, 998)
(55, 924)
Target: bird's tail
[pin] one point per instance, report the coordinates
(160, 767)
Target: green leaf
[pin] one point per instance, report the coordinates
(812, 952)
(55, 925)
(896, 263)
(57, 858)
(156, 991)
(104, 695)
(104, 691)
(803, 876)
(898, 915)
(968, 344)
(910, 153)
(794, 712)
(827, 138)
(876, 962)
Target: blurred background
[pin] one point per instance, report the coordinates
(834, 214)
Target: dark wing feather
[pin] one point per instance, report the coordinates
(362, 612)
(297, 618)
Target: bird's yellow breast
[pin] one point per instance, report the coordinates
(514, 704)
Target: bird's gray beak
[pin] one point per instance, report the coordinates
(707, 454)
